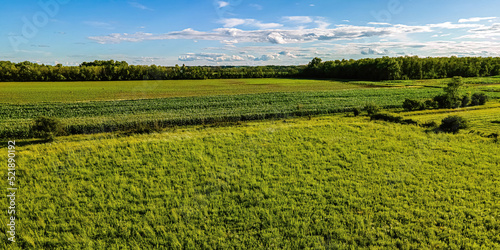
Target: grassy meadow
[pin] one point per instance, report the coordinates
(251, 164)
(326, 183)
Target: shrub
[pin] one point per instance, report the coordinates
(431, 104)
(431, 124)
(371, 109)
(466, 100)
(452, 124)
(478, 99)
(411, 105)
(356, 111)
(47, 127)
(386, 117)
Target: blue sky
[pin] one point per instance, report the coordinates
(244, 32)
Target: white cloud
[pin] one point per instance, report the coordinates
(268, 57)
(376, 23)
(322, 24)
(374, 51)
(233, 22)
(298, 19)
(449, 25)
(475, 19)
(211, 57)
(275, 36)
(222, 4)
(484, 32)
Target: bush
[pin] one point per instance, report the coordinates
(371, 109)
(452, 124)
(47, 127)
(386, 117)
(431, 104)
(478, 99)
(431, 124)
(465, 100)
(411, 105)
(356, 111)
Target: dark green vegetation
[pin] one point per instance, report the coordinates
(47, 127)
(453, 124)
(398, 68)
(402, 68)
(452, 98)
(327, 183)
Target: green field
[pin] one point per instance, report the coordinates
(36, 92)
(124, 108)
(325, 183)
(251, 164)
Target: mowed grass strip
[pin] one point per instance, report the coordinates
(329, 182)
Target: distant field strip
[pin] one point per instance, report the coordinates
(36, 92)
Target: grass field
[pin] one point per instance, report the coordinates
(326, 183)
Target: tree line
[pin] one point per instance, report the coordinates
(404, 68)
(385, 68)
(116, 71)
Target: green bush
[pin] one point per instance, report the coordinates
(453, 124)
(356, 111)
(371, 109)
(466, 100)
(386, 117)
(478, 99)
(431, 104)
(411, 105)
(47, 127)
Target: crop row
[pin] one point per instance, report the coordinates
(108, 116)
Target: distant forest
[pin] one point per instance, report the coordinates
(386, 68)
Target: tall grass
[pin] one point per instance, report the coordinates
(329, 182)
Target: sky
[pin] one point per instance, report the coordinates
(244, 32)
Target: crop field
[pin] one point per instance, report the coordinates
(36, 92)
(286, 99)
(329, 182)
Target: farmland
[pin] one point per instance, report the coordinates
(252, 164)
(215, 102)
